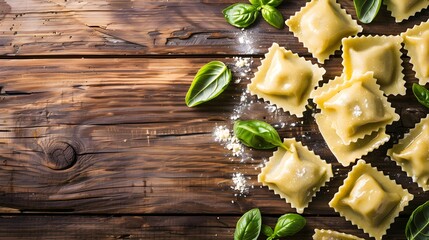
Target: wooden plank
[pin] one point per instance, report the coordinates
(119, 27)
(135, 148)
(158, 227)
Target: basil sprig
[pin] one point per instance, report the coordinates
(417, 227)
(367, 10)
(248, 226)
(257, 134)
(242, 15)
(210, 81)
(287, 225)
(422, 94)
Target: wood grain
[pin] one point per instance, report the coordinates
(125, 27)
(53, 227)
(139, 149)
(97, 143)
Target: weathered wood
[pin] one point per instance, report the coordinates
(138, 148)
(157, 227)
(112, 136)
(125, 27)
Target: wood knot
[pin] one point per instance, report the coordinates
(60, 156)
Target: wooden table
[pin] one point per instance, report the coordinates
(97, 142)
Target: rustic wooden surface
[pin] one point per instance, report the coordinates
(97, 143)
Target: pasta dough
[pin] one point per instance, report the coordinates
(378, 54)
(416, 42)
(403, 9)
(321, 25)
(412, 154)
(286, 80)
(353, 118)
(370, 200)
(356, 107)
(322, 234)
(295, 175)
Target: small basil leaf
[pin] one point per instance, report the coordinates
(240, 14)
(210, 81)
(267, 230)
(256, 3)
(272, 3)
(273, 16)
(367, 10)
(288, 225)
(422, 94)
(257, 134)
(417, 227)
(248, 226)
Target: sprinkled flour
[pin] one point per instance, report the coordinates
(240, 183)
(223, 135)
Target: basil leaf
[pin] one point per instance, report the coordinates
(422, 94)
(417, 227)
(272, 3)
(256, 3)
(248, 226)
(211, 80)
(288, 225)
(273, 16)
(267, 230)
(367, 10)
(257, 134)
(240, 14)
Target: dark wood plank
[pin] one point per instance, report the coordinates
(158, 227)
(138, 148)
(122, 27)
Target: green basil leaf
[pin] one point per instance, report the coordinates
(417, 227)
(257, 134)
(256, 3)
(288, 225)
(273, 16)
(267, 230)
(367, 10)
(240, 14)
(422, 94)
(248, 226)
(210, 81)
(272, 3)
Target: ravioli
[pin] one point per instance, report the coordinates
(321, 25)
(346, 154)
(295, 175)
(355, 108)
(403, 9)
(412, 154)
(370, 200)
(286, 80)
(378, 54)
(416, 42)
(322, 234)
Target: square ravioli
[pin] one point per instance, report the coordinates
(346, 154)
(378, 54)
(296, 175)
(412, 153)
(370, 200)
(403, 9)
(322, 234)
(416, 41)
(285, 79)
(354, 108)
(321, 25)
